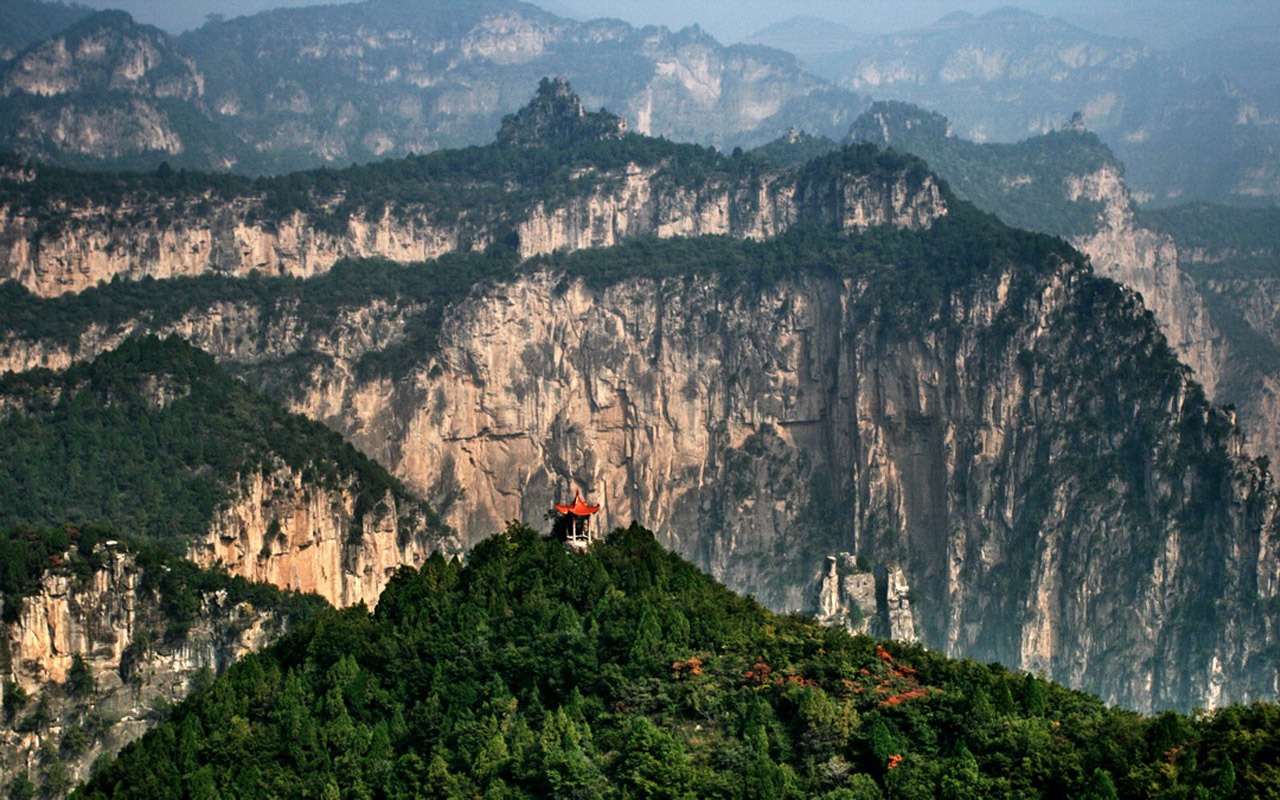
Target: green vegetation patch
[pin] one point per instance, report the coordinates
(624, 672)
(152, 437)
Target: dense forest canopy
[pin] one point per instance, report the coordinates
(535, 671)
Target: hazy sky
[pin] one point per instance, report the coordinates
(1159, 22)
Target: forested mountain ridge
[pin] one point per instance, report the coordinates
(347, 83)
(63, 231)
(622, 671)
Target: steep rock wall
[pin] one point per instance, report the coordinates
(759, 432)
(287, 532)
(138, 661)
(1055, 489)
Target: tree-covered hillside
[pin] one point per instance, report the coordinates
(622, 671)
(152, 436)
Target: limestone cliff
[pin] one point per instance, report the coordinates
(1055, 489)
(89, 663)
(730, 423)
(282, 531)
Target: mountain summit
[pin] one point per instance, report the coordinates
(555, 118)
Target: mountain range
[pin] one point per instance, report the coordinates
(300, 87)
(874, 367)
(970, 400)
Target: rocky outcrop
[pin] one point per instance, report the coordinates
(556, 118)
(88, 663)
(851, 596)
(286, 532)
(1147, 261)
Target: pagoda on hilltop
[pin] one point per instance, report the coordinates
(574, 525)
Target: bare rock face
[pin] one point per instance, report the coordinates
(93, 246)
(1151, 263)
(296, 536)
(758, 432)
(132, 660)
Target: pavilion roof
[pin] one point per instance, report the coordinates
(578, 508)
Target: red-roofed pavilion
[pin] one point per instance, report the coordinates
(578, 533)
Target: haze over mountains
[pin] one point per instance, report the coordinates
(1196, 124)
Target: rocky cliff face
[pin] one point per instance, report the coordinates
(87, 663)
(92, 244)
(293, 535)
(1147, 261)
(758, 433)
(96, 243)
(1055, 490)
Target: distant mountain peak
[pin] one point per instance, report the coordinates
(555, 118)
(1011, 13)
